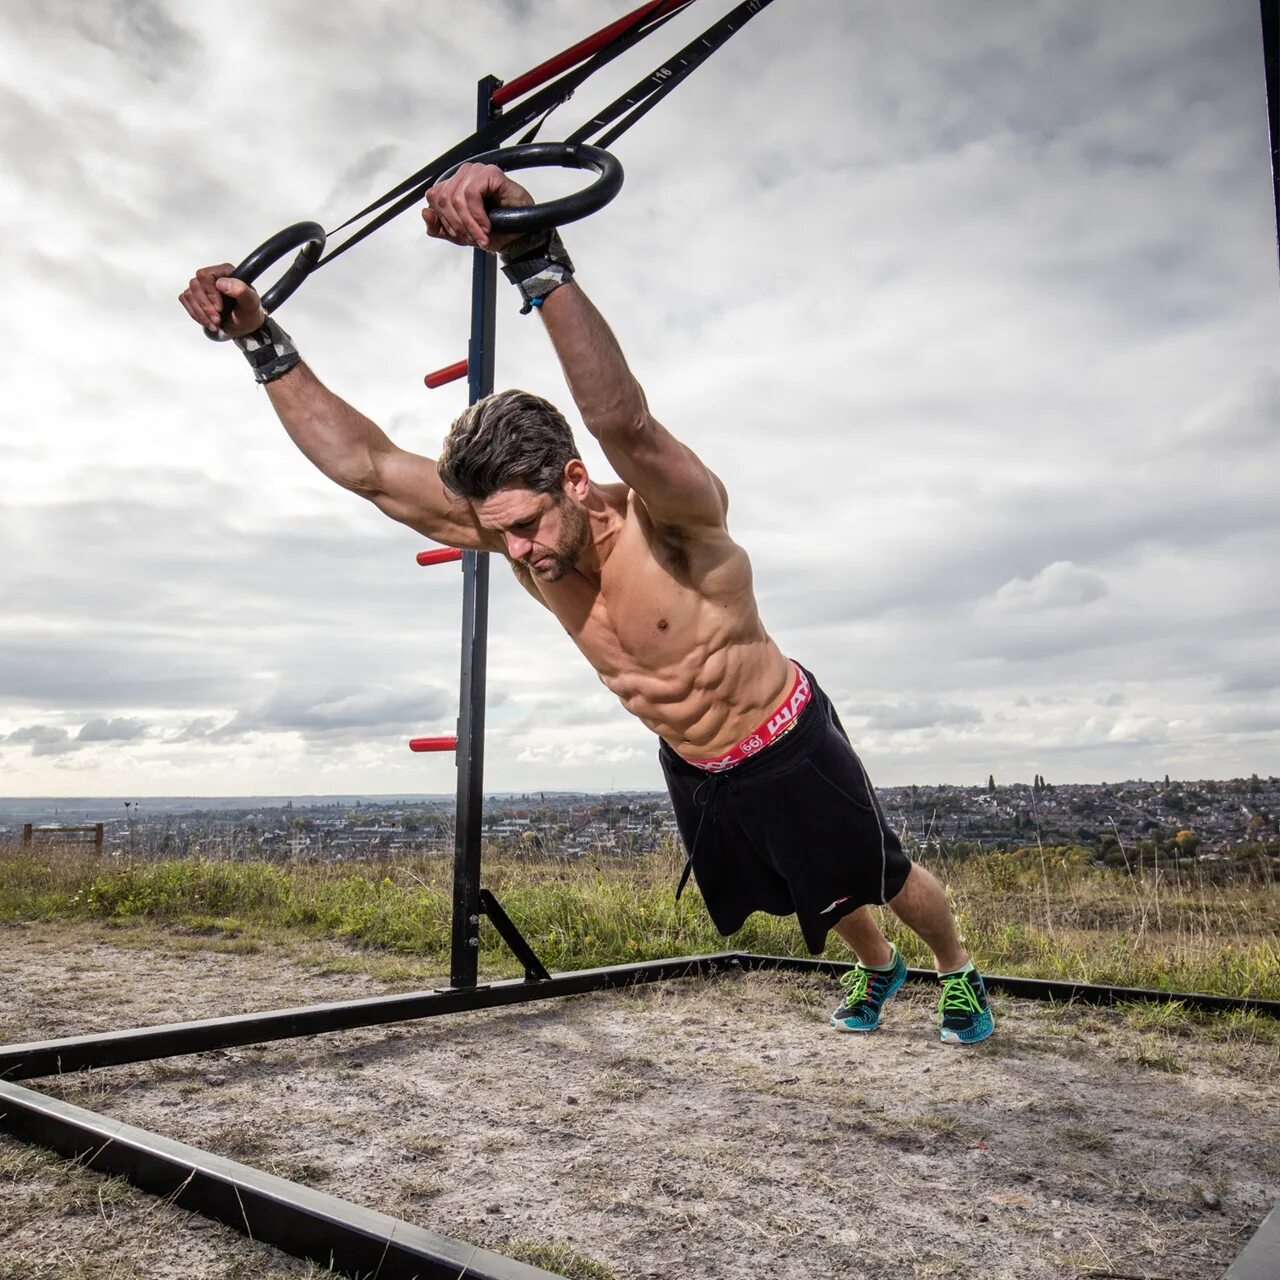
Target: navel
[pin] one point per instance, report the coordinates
(663, 624)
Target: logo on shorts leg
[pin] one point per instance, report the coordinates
(753, 743)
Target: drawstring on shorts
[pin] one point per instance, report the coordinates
(712, 786)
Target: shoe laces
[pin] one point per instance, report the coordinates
(959, 995)
(855, 982)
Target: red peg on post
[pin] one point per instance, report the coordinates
(443, 556)
(433, 744)
(450, 373)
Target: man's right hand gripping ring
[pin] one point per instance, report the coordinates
(308, 234)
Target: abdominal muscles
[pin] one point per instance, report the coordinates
(685, 652)
(708, 698)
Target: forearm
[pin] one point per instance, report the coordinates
(338, 439)
(605, 390)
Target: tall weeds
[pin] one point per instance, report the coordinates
(1041, 911)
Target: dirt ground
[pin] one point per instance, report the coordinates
(715, 1129)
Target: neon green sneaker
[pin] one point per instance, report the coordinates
(866, 991)
(964, 1013)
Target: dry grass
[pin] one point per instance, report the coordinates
(134, 1235)
(1042, 912)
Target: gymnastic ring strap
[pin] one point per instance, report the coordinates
(542, 155)
(310, 235)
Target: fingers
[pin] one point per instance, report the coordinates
(456, 209)
(189, 306)
(437, 227)
(441, 214)
(201, 298)
(483, 180)
(208, 292)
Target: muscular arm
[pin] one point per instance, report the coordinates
(676, 488)
(341, 442)
(675, 484)
(357, 454)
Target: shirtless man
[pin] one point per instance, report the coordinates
(775, 809)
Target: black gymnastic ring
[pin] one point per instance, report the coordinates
(310, 235)
(540, 155)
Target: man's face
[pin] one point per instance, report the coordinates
(545, 531)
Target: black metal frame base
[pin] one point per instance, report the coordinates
(308, 1224)
(358, 1241)
(144, 1044)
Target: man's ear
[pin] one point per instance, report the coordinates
(576, 481)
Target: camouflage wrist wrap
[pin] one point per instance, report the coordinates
(537, 264)
(269, 351)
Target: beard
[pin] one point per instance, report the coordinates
(555, 562)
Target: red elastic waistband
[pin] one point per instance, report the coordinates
(774, 727)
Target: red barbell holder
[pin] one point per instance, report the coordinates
(450, 373)
(433, 744)
(443, 556)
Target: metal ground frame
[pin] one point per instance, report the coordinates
(144, 1044)
(358, 1241)
(335, 1233)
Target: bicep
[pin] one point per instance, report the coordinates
(677, 487)
(408, 488)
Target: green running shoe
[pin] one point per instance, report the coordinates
(964, 1013)
(866, 990)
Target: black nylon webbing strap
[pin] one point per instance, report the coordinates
(631, 107)
(407, 193)
(647, 93)
(656, 23)
(1271, 66)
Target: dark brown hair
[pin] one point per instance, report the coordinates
(510, 437)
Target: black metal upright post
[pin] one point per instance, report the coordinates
(1271, 61)
(475, 631)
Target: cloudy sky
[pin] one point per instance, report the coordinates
(973, 306)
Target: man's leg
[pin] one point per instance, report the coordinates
(860, 930)
(879, 974)
(921, 904)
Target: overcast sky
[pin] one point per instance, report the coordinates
(973, 306)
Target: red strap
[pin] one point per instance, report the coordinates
(580, 52)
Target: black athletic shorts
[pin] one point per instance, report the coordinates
(796, 828)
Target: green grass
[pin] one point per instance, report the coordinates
(1045, 913)
(557, 1258)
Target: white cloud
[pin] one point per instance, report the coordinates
(985, 353)
(1060, 585)
(42, 739)
(119, 729)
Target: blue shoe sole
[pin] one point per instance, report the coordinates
(847, 1024)
(980, 1030)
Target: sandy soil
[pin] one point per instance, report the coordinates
(715, 1129)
